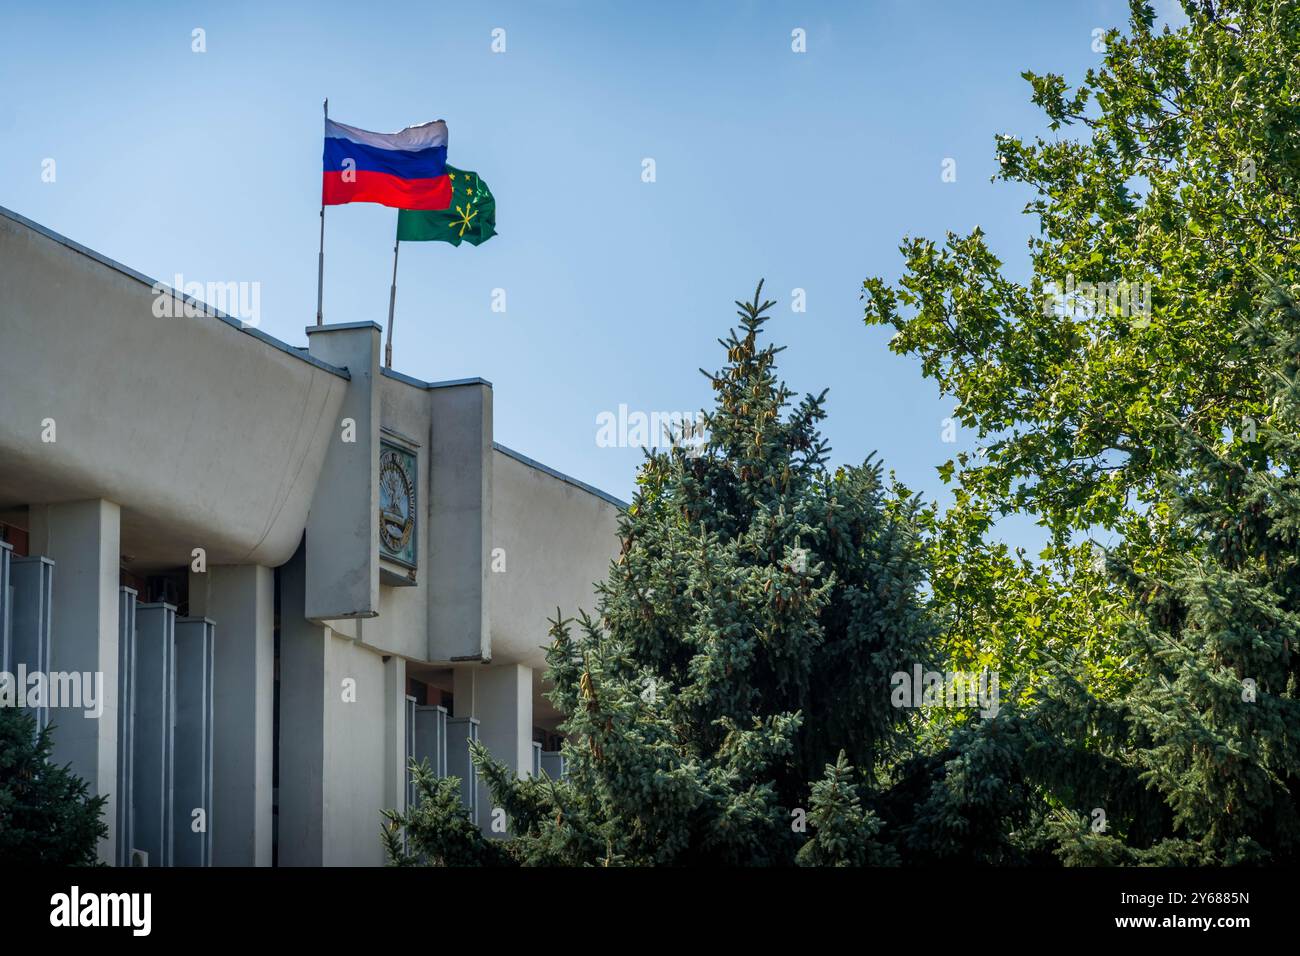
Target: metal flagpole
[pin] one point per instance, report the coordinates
(392, 299)
(320, 262)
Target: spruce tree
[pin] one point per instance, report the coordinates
(47, 816)
(743, 641)
(843, 833)
(437, 830)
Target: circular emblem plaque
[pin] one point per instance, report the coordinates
(396, 503)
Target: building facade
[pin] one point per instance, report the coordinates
(258, 578)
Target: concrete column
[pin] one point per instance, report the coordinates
(240, 599)
(302, 724)
(463, 685)
(501, 697)
(395, 732)
(504, 698)
(83, 539)
(343, 523)
(459, 528)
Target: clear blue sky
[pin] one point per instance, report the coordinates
(804, 169)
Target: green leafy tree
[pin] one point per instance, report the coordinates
(1197, 762)
(1108, 391)
(1165, 182)
(1218, 701)
(1000, 611)
(1184, 178)
(744, 639)
(47, 816)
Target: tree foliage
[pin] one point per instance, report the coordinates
(743, 641)
(844, 834)
(47, 816)
(1170, 172)
(1219, 698)
(1185, 178)
(1139, 386)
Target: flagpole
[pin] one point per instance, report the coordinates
(392, 299)
(320, 261)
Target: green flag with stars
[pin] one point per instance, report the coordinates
(472, 216)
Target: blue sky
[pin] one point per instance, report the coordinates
(803, 169)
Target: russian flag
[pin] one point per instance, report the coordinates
(405, 170)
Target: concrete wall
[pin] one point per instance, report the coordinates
(556, 540)
(338, 740)
(356, 760)
(444, 616)
(493, 525)
(403, 626)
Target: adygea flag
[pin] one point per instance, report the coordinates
(471, 217)
(405, 170)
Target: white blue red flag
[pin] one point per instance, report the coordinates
(404, 170)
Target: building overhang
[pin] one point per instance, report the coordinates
(207, 433)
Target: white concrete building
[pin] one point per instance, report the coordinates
(291, 567)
